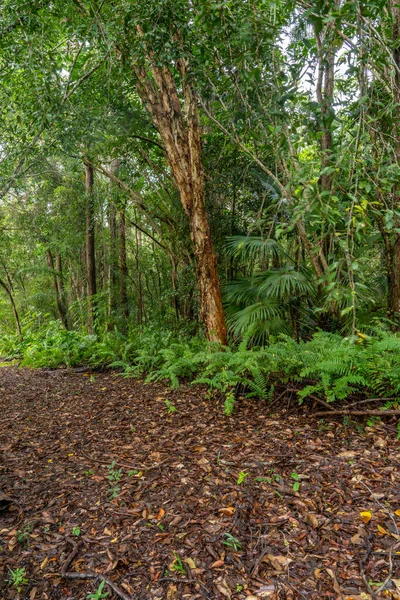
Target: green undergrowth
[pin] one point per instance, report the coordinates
(327, 366)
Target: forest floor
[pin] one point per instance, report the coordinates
(180, 525)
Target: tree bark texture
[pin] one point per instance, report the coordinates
(90, 247)
(57, 286)
(178, 124)
(13, 306)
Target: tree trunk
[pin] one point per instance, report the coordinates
(13, 306)
(395, 9)
(174, 280)
(57, 287)
(60, 282)
(139, 279)
(113, 252)
(123, 265)
(179, 128)
(392, 295)
(324, 92)
(90, 248)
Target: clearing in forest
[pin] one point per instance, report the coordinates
(167, 498)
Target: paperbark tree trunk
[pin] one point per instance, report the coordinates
(90, 248)
(178, 124)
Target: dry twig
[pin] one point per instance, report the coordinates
(89, 574)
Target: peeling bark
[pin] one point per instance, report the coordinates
(178, 124)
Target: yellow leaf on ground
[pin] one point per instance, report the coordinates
(190, 562)
(228, 511)
(382, 530)
(366, 516)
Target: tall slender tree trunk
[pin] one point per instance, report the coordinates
(90, 248)
(174, 280)
(178, 124)
(8, 291)
(123, 265)
(113, 266)
(60, 281)
(324, 92)
(395, 10)
(139, 278)
(57, 286)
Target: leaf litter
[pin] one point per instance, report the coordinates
(98, 480)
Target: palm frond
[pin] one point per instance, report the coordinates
(253, 247)
(287, 282)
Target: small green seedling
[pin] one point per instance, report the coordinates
(296, 485)
(99, 594)
(88, 473)
(17, 578)
(242, 477)
(232, 542)
(133, 473)
(178, 565)
(114, 491)
(76, 531)
(170, 407)
(23, 536)
(115, 476)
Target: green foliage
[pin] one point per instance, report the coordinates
(232, 542)
(170, 407)
(296, 485)
(98, 594)
(18, 578)
(335, 366)
(114, 476)
(177, 565)
(242, 477)
(23, 535)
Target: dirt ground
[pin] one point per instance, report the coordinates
(99, 476)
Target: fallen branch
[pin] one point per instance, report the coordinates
(89, 574)
(316, 399)
(359, 413)
(184, 580)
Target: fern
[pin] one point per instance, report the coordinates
(336, 366)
